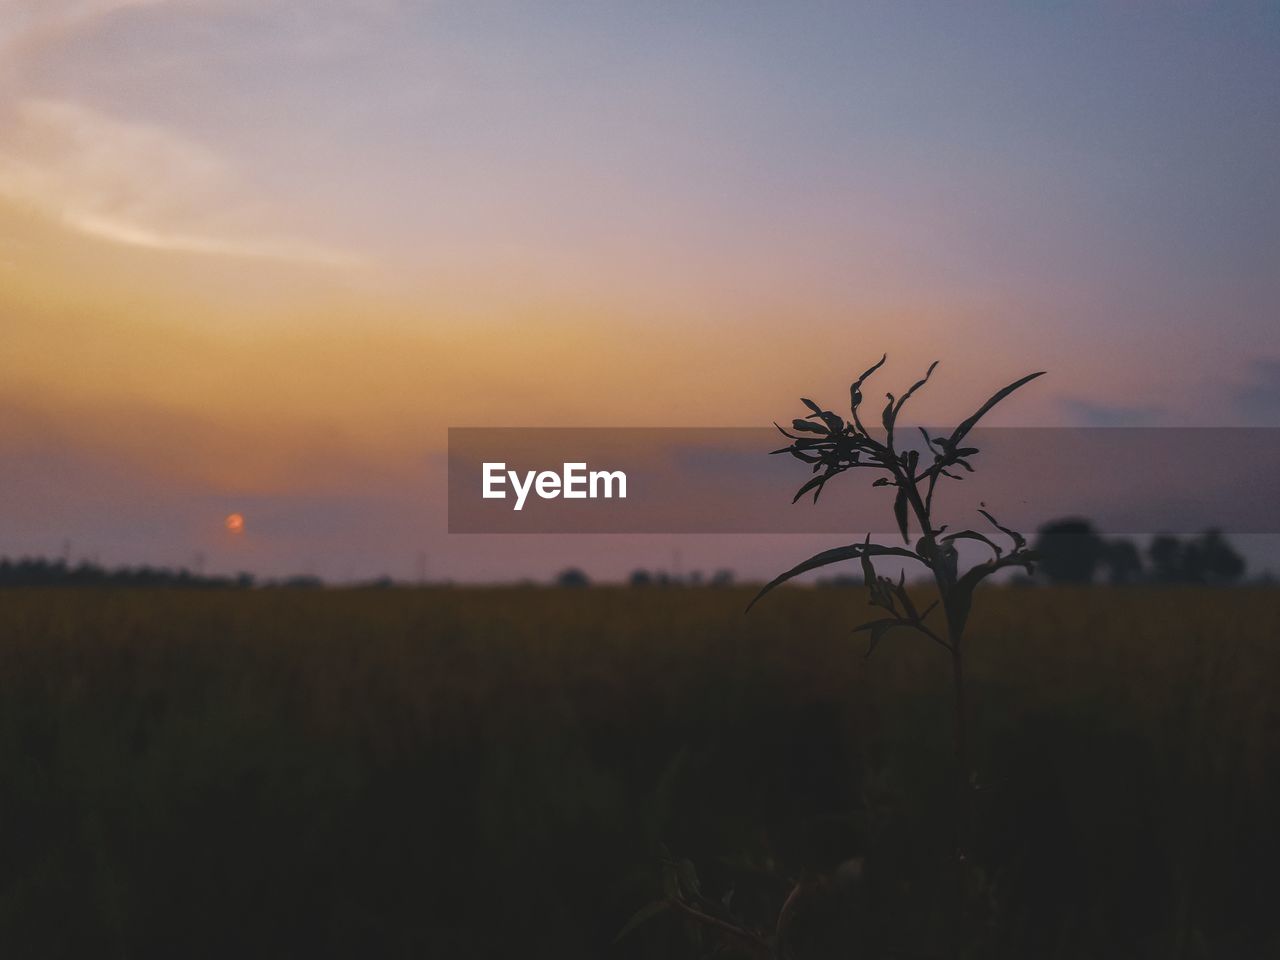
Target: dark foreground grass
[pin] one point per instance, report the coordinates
(487, 773)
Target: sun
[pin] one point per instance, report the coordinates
(234, 522)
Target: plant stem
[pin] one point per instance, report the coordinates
(964, 796)
(963, 773)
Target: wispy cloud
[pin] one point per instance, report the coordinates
(118, 179)
(1258, 401)
(1093, 414)
(135, 184)
(27, 25)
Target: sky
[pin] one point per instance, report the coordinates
(258, 255)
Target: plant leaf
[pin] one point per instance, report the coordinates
(962, 595)
(900, 512)
(914, 387)
(810, 484)
(856, 387)
(868, 569)
(887, 418)
(835, 555)
(804, 426)
(877, 633)
(974, 535)
(688, 875)
(968, 424)
(1019, 541)
(871, 624)
(642, 916)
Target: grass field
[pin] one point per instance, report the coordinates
(489, 772)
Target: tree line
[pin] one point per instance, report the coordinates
(1072, 551)
(41, 572)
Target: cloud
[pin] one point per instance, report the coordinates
(134, 184)
(1092, 414)
(1259, 400)
(30, 24)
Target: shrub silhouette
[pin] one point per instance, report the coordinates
(572, 578)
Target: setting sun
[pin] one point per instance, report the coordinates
(234, 523)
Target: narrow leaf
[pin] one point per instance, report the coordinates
(1019, 541)
(835, 555)
(642, 916)
(871, 624)
(968, 424)
(914, 387)
(688, 875)
(811, 484)
(878, 632)
(974, 535)
(804, 426)
(962, 593)
(857, 384)
(900, 512)
(887, 418)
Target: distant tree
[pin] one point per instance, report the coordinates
(1165, 553)
(1223, 564)
(641, 578)
(1194, 563)
(1208, 558)
(572, 578)
(304, 581)
(40, 572)
(1123, 561)
(722, 578)
(1070, 550)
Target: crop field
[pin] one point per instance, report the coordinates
(461, 773)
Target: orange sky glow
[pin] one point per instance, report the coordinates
(256, 250)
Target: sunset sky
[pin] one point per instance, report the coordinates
(257, 255)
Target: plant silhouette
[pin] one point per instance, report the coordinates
(830, 445)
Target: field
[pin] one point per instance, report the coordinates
(489, 772)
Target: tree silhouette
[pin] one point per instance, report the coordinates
(1208, 558)
(1220, 561)
(1070, 551)
(1165, 553)
(1123, 561)
(572, 578)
